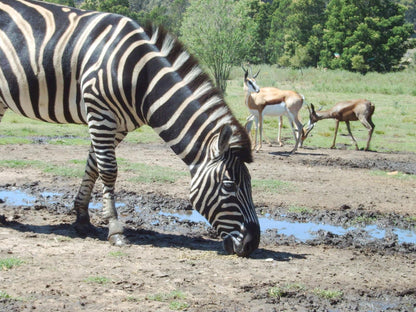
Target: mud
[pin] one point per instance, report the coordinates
(170, 253)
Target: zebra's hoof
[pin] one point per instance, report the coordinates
(118, 240)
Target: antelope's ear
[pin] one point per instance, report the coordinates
(313, 107)
(224, 139)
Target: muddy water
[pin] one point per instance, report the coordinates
(383, 233)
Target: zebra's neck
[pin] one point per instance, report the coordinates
(181, 104)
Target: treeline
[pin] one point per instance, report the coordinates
(355, 35)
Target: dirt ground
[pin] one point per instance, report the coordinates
(173, 264)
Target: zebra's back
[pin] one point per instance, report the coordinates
(50, 55)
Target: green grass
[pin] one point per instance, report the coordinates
(145, 173)
(4, 295)
(284, 291)
(175, 298)
(101, 280)
(117, 254)
(10, 263)
(394, 95)
(300, 210)
(363, 220)
(270, 186)
(328, 294)
(394, 174)
(73, 169)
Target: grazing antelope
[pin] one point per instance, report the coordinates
(347, 111)
(273, 102)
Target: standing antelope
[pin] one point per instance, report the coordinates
(347, 111)
(63, 65)
(273, 102)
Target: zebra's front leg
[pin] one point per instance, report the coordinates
(82, 224)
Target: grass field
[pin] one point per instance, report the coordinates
(394, 95)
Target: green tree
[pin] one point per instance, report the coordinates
(169, 15)
(70, 3)
(363, 36)
(121, 7)
(295, 32)
(216, 31)
(410, 14)
(259, 16)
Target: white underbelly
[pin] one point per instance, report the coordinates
(272, 110)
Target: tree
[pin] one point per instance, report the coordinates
(70, 3)
(410, 14)
(216, 31)
(296, 31)
(112, 6)
(363, 36)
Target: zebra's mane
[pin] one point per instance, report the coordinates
(240, 142)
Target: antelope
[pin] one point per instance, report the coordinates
(347, 111)
(272, 102)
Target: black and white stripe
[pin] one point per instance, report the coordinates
(64, 65)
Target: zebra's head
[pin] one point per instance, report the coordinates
(221, 192)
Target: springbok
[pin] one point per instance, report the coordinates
(271, 101)
(347, 111)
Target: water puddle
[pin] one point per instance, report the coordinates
(302, 231)
(17, 198)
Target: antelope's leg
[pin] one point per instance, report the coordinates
(297, 132)
(256, 121)
(370, 126)
(260, 130)
(279, 134)
(335, 133)
(293, 121)
(352, 137)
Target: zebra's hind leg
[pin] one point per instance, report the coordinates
(108, 176)
(107, 169)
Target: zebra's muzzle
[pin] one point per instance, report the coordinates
(243, 243)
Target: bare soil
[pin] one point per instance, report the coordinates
(174, 264)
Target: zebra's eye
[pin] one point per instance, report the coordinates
(229, 186)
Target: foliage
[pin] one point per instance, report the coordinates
(362, 38)
(293, 38)
(9, 263)
(169, 15)
(218, 39)
(121, 7)
(410, 14)
(70, 3)
(356, 35)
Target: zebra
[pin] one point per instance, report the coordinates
(60, 65)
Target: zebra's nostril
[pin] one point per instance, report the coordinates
(228, 245)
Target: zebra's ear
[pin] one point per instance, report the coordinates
(224, 139)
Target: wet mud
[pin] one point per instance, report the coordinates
(320, 250)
